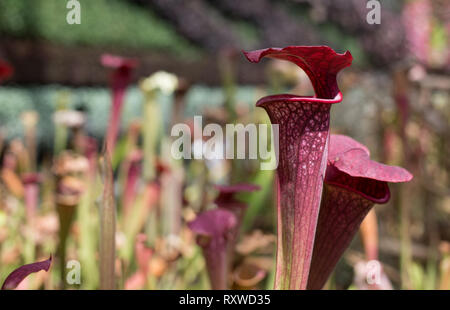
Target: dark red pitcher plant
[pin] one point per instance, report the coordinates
(353, 184)
(303, 147)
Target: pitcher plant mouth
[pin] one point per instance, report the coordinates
(298, 99)
(372, 190)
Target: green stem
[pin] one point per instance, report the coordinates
(107, 228)
(66, 215)
(151, 133)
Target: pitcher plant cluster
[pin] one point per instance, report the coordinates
(326, 184)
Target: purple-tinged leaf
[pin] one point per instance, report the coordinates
(357, 163)
(303, 148)
(18, 275)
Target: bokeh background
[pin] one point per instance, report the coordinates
(396, 101)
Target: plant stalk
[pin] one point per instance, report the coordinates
(107, 228)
